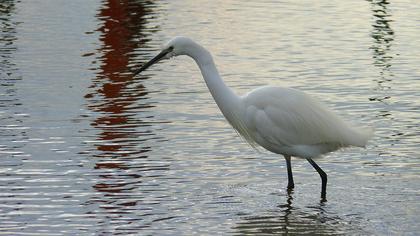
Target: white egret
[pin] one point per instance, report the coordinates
(282, 120)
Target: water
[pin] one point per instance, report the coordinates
(85, 149)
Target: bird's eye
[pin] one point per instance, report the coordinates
(171, 48)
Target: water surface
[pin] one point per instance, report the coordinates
(87, 149)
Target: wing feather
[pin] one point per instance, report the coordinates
(289, 117)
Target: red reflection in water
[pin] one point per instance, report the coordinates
(117, 101)
(123, 21)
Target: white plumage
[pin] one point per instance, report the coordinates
(288, 121)
(282, 120)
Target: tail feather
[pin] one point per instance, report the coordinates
(360, 136)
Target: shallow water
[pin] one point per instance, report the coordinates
(85, 149)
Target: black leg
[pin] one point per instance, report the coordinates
(323, 178)
(291, 184)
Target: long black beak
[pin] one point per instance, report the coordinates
(157, 58)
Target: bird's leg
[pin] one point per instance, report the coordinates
(290, 184)
(323, 178)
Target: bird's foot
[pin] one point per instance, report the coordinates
(323, 197)
(290, 188)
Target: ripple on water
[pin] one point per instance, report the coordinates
(87, 149)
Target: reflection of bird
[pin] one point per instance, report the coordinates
(282, 120)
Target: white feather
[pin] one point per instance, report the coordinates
(288, 121)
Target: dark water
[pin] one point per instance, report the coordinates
(86, 149)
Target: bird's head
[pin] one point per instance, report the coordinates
(177, 46)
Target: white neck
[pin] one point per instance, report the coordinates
(226, 99)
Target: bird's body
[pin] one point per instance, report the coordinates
(288, 121)
(282, 120)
